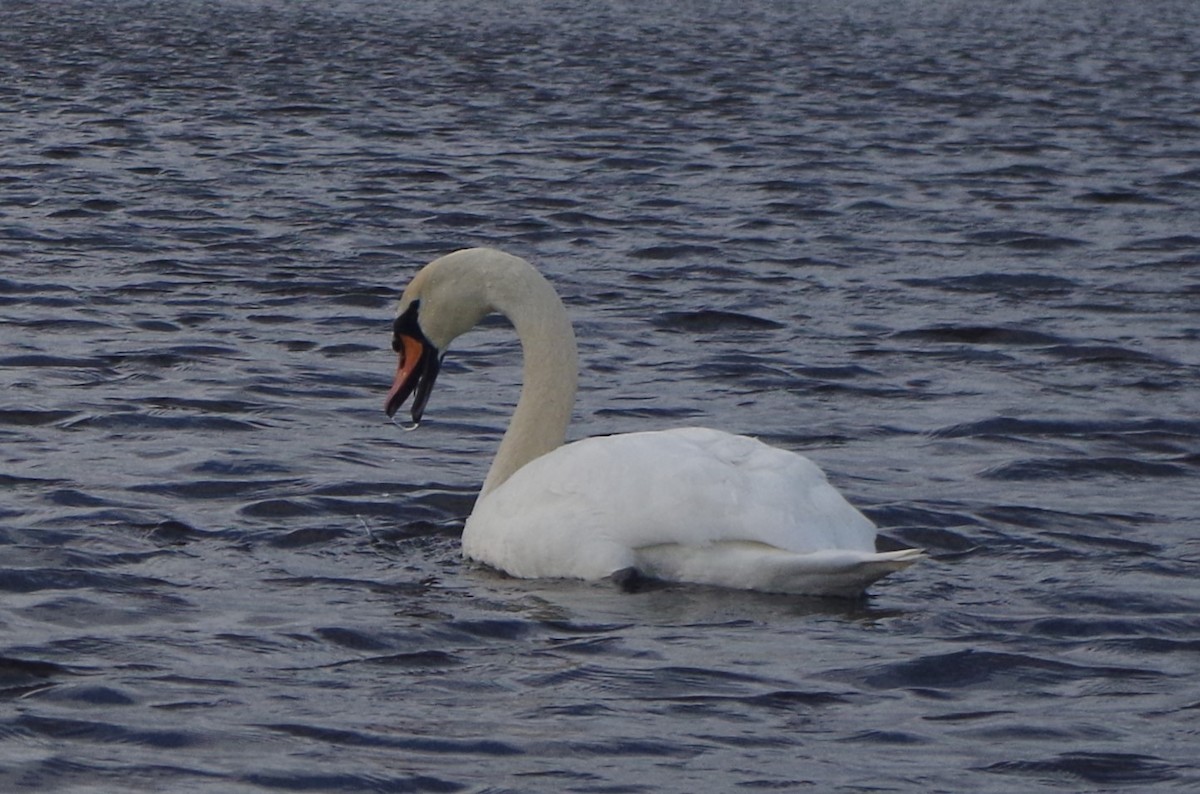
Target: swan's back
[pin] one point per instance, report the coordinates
(590, 508)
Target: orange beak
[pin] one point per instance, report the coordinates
(416, 370)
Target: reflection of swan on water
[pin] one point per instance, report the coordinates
(689, 505)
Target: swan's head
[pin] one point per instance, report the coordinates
(445, 299)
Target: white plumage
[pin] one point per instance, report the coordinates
(690, 504)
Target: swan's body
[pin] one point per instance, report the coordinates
(691, 505)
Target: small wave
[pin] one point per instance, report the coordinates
(842, 372)
(107, 733)
(979, 335)
(46, 360)
(1050, 522)
(873, 206)
(210, 489)
(137, 421)
(629, 163)
(205, 405)
(669, 683)
(72, 497)
(1119, 197)
(1120, 545)
(1012, 427)
(491, 629)
(708, 321)
(458, 220)
(1121, 628)
(189, 214)
(418, 744)
(1025, 241)
(891, 738)
(415, 660)
(650, 412)
(1100, 769)
(350, 638)
(790, 700)
(396, 588)
(1083, 468)
(1021, 172)
(664, 253)
(577, 218)
(1005, 284)
(1150, 645)
(30, 288)
(21, 676)
(623, 748)
(298, 109)
(1187, 175)
(171, 532)
(89, 695)
(934, 514)
(36, 580)
(63, 152)
(32, 417)
(279, 509)
(799, 211)
(420, 175)
(1177, 242)
(972, 668)
(1107, 354)
(935, 540)
(310, 536)
(347, 782)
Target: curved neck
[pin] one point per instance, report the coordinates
(550, 372)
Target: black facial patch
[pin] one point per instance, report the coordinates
(407, 325)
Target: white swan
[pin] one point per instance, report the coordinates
(689, 505)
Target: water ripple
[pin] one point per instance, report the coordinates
(946, 250)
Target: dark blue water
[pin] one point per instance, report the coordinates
(949, 250)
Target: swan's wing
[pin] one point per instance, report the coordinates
(585, 509)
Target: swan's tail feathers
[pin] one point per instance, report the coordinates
(757, 566)
(899, 560)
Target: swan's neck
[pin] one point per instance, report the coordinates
(550, 374)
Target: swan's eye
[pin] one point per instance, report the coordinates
(398, 347)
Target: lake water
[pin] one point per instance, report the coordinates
(950, 250)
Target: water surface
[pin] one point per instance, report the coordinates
(948, 250)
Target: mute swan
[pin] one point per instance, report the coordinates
(688, 505)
